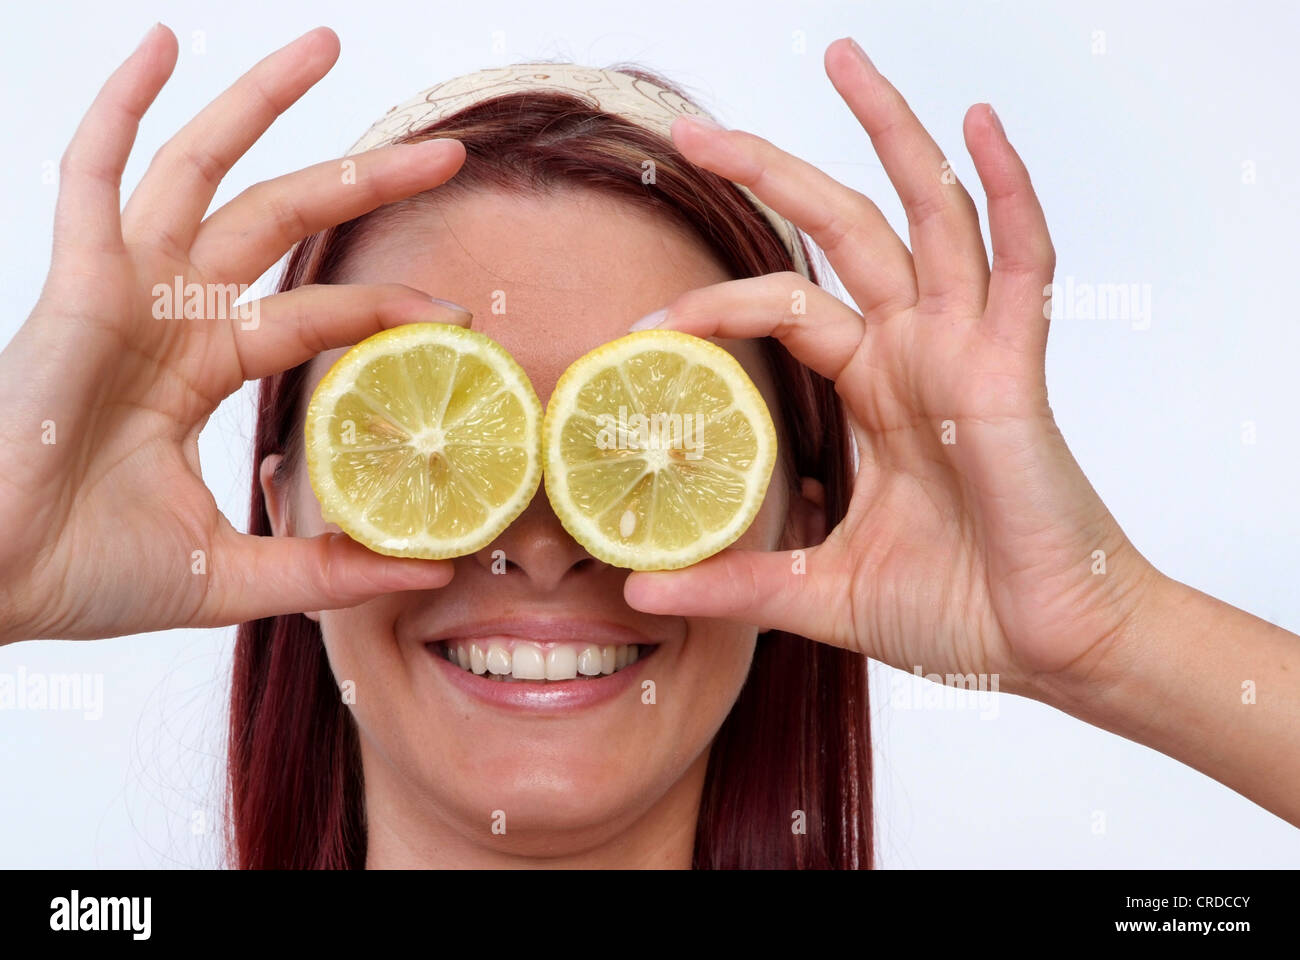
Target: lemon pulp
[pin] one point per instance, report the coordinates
(424, 441)
(658, 450)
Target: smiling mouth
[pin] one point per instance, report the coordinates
(521, 661)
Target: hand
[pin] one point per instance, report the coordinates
(968, 545)
(108, 527)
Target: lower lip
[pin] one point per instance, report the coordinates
(532, 697)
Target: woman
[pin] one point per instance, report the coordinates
(967, 542)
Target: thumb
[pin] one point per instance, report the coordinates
(255, 577)
(773, 591)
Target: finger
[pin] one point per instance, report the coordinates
(819, 331)
(255, 577)
(951, 263)
(168, 205)
(245, 237)
(867, 255)
(290, 328)
(1023, 257)
(766, 590)
(90, 176)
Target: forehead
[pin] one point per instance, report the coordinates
(548, 276)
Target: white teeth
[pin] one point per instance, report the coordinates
(532, 662)
(589, 661)
(561, 663)
(498, 659)
(529, 663)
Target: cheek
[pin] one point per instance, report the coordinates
(714, 670)
(366, 661)
(305, 517)
(718, 661)
(769, 523)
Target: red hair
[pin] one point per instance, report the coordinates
(798, 736)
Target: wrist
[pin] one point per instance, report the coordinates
(1106, 672)
(15, 622)
(1181, 678)
(9, 632)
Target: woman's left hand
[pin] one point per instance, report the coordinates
(973, 543)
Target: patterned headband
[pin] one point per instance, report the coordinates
(645, 104)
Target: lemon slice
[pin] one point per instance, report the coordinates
(658, 449)
(424, 441)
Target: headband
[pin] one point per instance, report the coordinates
(639, 101)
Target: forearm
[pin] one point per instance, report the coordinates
(1210, 685)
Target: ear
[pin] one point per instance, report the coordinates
(277, 509)
(806, 523)
(276, 495)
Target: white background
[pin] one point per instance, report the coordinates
(1139, 140)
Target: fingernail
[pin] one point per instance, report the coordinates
(148, 33)
(862, 54)
(701, 121)
(465, 314)
(993, 115)
(650, 320)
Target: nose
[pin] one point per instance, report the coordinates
(537, 546)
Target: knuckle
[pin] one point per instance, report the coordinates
(861, 209)
(313, 339)
(792, 278)
(966, 204)
(886, 110)
(1030, 262)
(842, 228)
(743, 586)
(326, 569)
(924, 206)
(284, 214)
(208, 167)
(74, 164)
(836, 232)
(267, 103)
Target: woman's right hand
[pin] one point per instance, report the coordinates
(970, 546)
(108, 526)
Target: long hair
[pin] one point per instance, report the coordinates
(789, 775)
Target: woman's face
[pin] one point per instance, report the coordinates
(451, 759)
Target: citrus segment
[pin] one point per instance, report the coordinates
(658, 450)
(424, 441)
